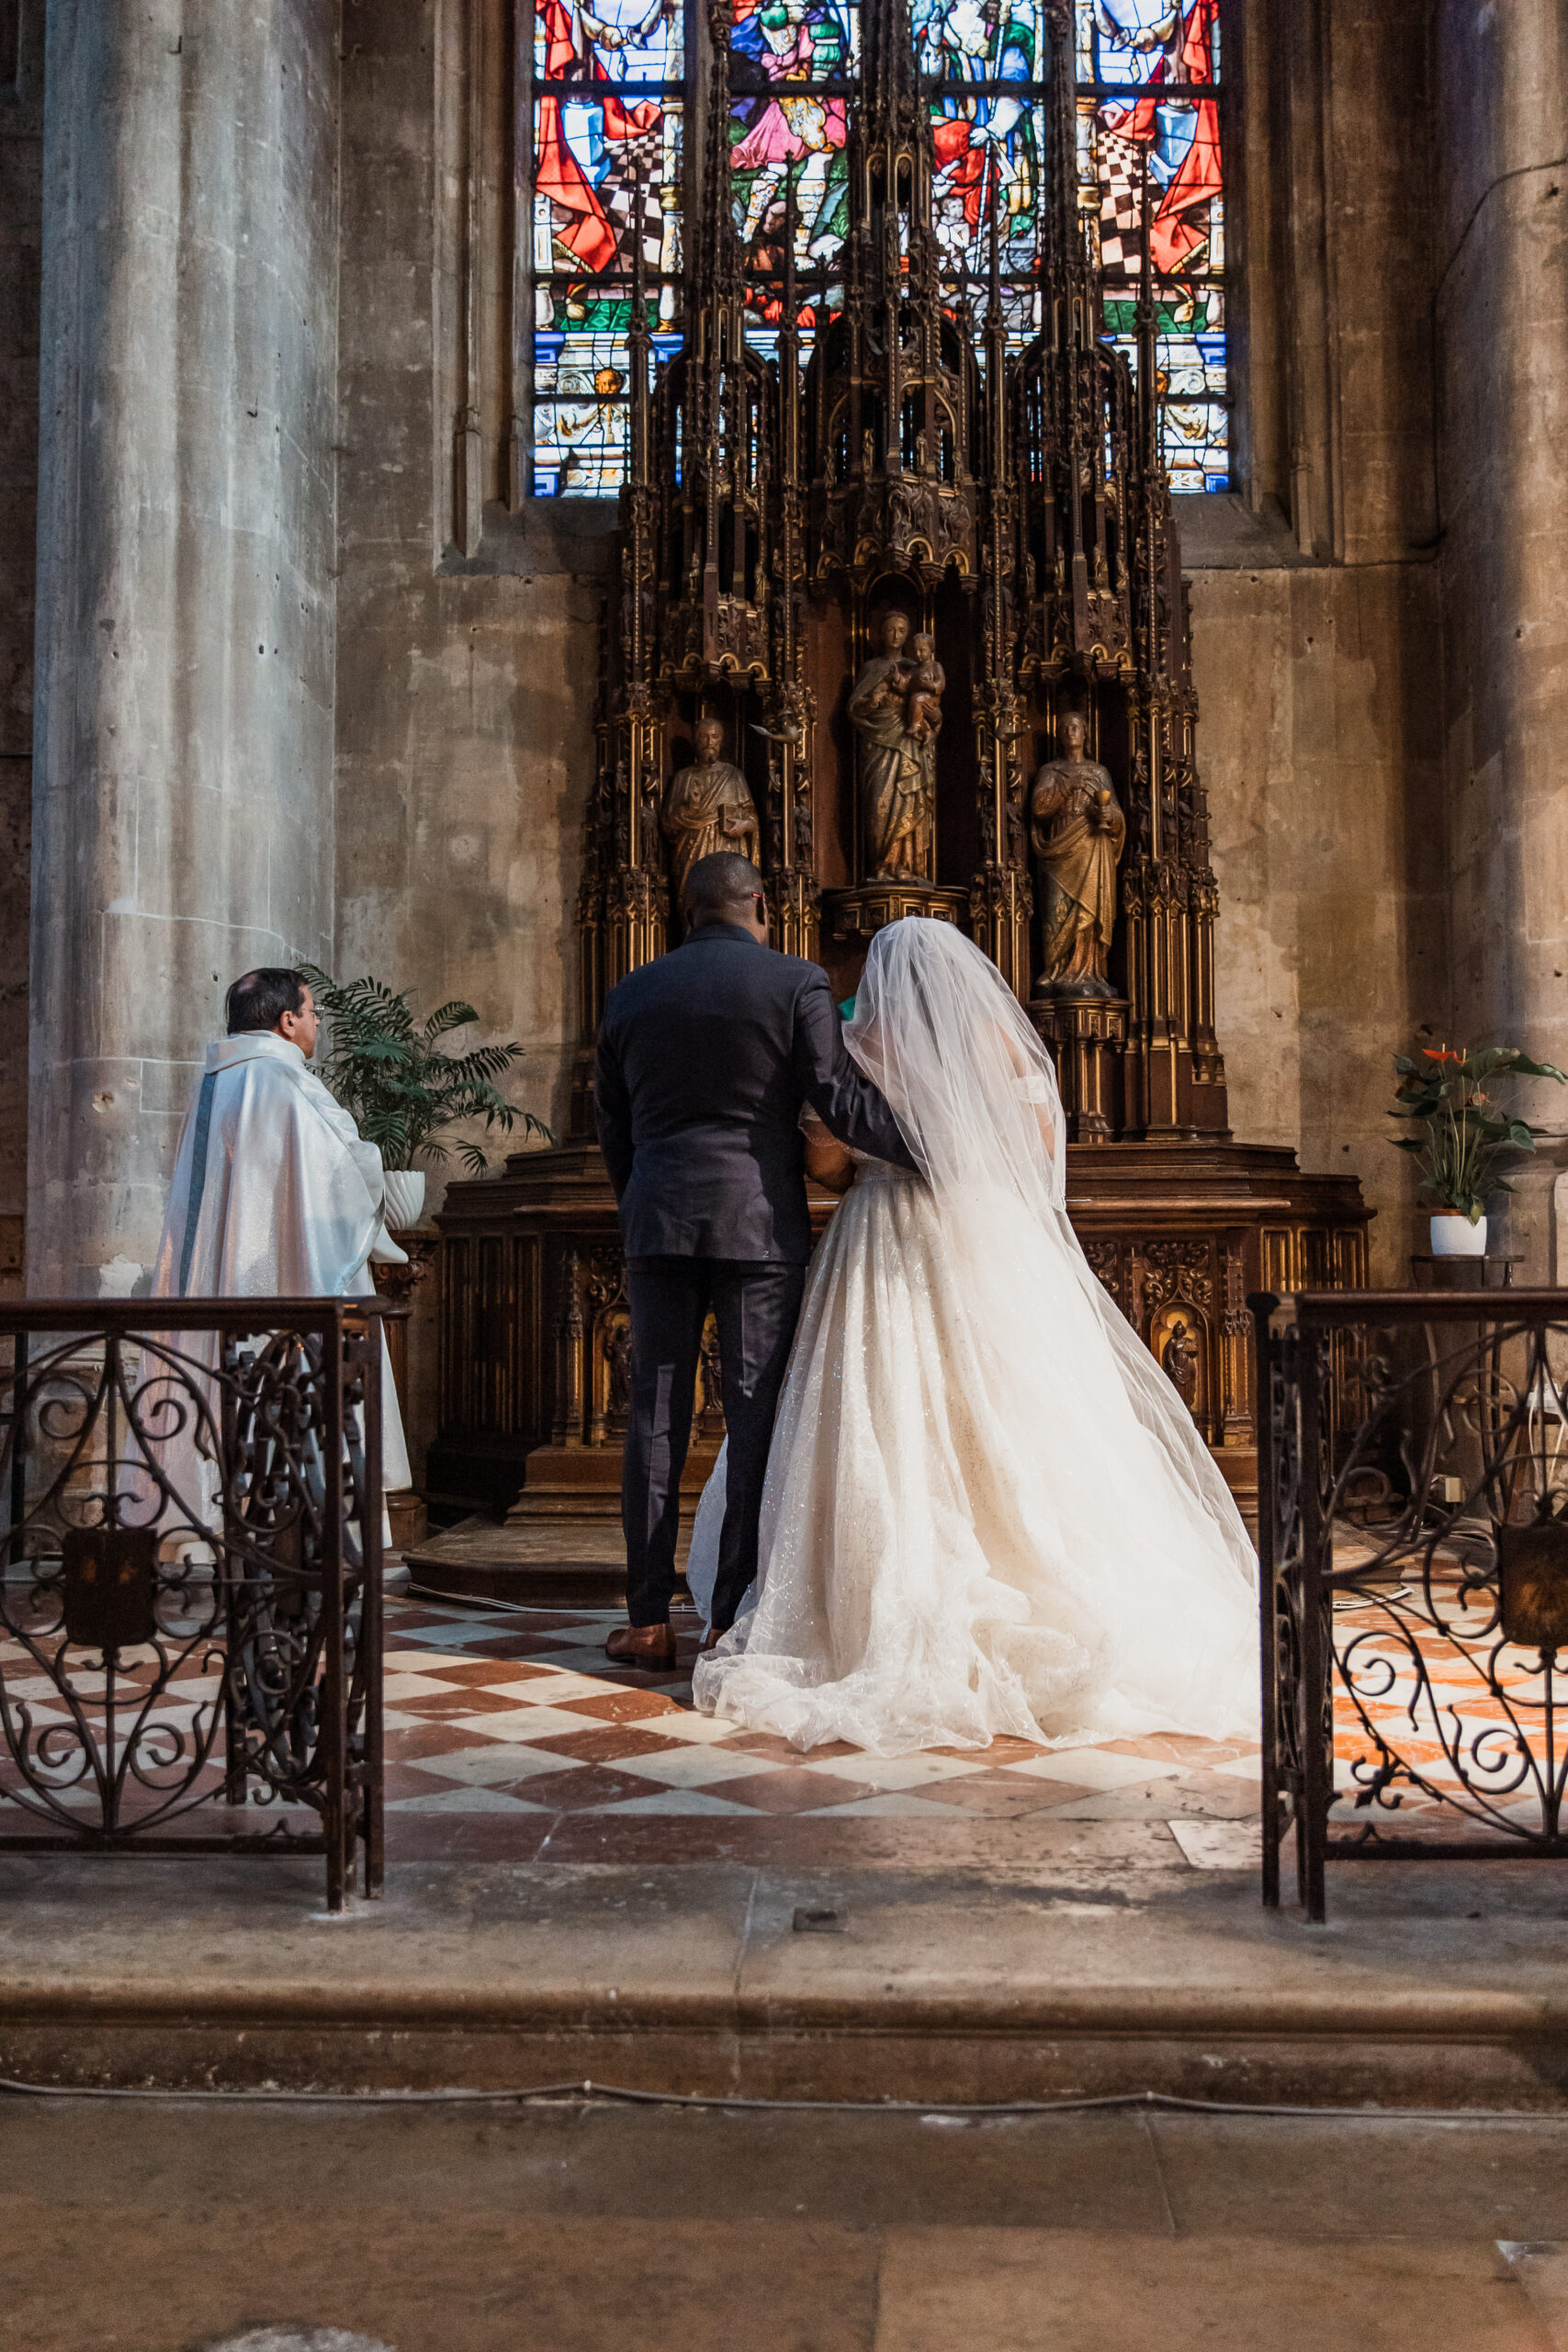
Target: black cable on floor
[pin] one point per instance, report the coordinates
(615, 2093)
(523, 1608)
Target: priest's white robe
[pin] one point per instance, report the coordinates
(275, 1196)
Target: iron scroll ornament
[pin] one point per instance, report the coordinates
(1414, 1543)
(190, 1614)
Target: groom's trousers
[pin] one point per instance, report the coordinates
(755, 1305)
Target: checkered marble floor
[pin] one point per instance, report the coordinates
(512, 1734)
(509, 1736)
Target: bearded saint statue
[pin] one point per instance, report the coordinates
(1078, 833)
(707, 808)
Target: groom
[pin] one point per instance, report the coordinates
(706, 1057)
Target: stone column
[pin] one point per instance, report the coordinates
(182, 796)
(1501, 266)
(21, 218)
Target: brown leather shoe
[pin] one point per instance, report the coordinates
(642, 1646)
(712, 1639)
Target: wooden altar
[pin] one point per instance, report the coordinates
(901, 448)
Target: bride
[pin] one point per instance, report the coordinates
(987, 1510)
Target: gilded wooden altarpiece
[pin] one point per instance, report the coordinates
(902, 448)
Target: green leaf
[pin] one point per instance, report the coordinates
(391, 1074)
(454, 1015)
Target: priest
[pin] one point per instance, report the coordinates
(274, 1193)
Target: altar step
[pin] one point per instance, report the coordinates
(1097, 1971)
(560, 1544)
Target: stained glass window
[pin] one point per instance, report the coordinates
(794, 75)
(987, 125)
(611, 91)
(794, 68)
(608, 105)
(1149, 148)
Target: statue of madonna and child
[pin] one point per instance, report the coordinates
(895, 709)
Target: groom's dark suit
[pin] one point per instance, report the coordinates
(706, 1057)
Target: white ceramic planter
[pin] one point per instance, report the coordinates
(1454, 1236)
(405, 1198)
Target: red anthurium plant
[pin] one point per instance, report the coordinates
(1445, 1089)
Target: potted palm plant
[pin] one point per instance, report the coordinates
(1464, 1134)
(404, 1088)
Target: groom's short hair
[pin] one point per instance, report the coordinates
(719, 885)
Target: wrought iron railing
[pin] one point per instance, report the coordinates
(1413, 1536)
(190, 1579)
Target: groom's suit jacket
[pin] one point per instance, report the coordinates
(705, 1057)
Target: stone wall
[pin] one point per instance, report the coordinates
(1501, 326)
(392, 781)
(1316, 599)
(21, 216)
(465, 692)
(1319, 747)
(183, 799)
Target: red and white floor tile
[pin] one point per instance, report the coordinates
(509, 1736)
(513, 1734)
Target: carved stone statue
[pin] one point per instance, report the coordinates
(922, 697)
(1179, 1362)
(898, 754)
(618, 1364)
(1079, 833)
(707, 808)
(710, 1374)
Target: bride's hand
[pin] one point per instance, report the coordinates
(827, 1161)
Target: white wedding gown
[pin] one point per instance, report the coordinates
(986, 1511)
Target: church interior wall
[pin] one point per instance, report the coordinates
(183, 799)
(1501, 331)
(465, 686)
(1316, 621)
(467, 665)
(1320, 753)
(21, 215)
(1313, 663)
(1379, 663)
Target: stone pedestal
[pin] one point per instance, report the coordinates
(861, 914)
(1084, 1033)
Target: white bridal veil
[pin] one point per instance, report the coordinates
(938, 1029)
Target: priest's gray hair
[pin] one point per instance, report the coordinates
(720, 886)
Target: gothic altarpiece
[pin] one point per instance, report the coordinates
(901, 613)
